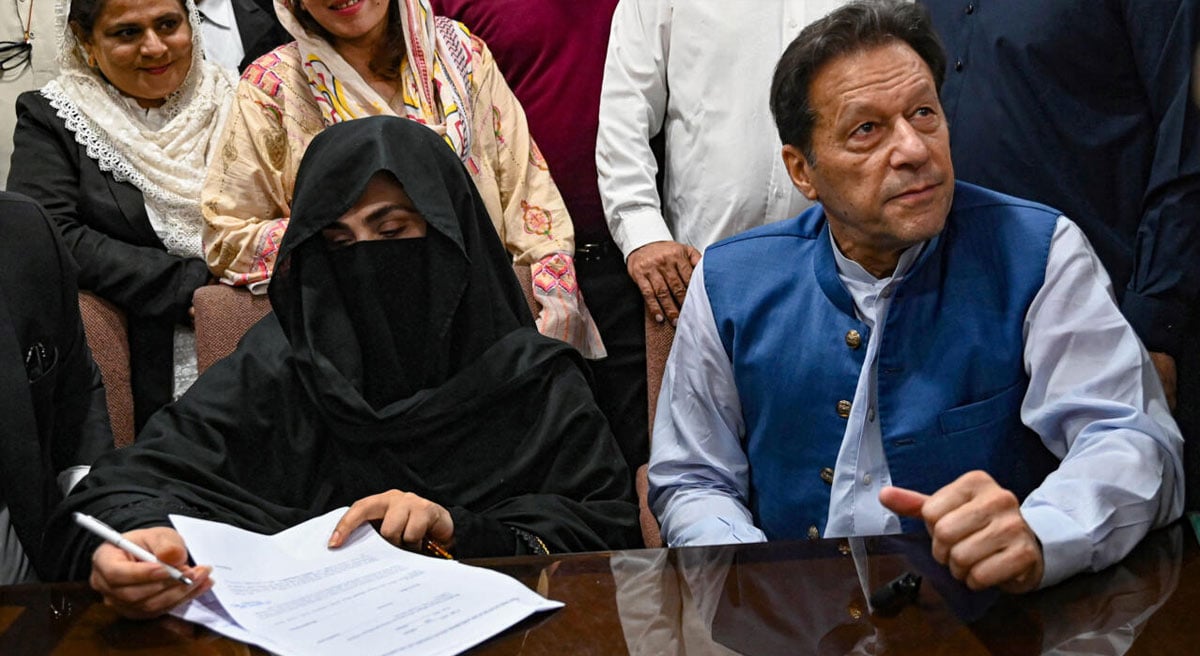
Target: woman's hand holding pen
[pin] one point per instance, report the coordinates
(409, 521)
(141, 590)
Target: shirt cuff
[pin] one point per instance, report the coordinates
(1160, 324)
(716, 530)
(259, 288)
(634, 228)
(1066, 548)
(563, 315)
(69, 477)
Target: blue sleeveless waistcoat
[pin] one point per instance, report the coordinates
(950, 377)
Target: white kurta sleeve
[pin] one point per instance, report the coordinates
(633, 103)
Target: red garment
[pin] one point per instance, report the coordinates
(552, 55)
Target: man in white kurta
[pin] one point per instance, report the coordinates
(699, 72)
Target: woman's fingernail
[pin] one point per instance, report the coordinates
(658, 318)
(335, 539)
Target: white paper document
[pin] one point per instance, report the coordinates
(290, 594)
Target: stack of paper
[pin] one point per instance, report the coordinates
(290, 594)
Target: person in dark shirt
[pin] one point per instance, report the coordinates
(53, 418)
(1083, 105)
(236, 32)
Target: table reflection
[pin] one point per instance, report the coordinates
(812, 599)
(774, 598)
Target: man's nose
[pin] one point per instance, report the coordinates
(909, 148)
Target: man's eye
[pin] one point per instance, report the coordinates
(864, 129)
(924, 111)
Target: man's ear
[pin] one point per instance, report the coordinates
(800, 171)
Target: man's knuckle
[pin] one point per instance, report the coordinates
(959, 559)
(1027, 553)
(975, 581)
(975, 477)
(943, 533)
(1011, 524)
(1003, 504)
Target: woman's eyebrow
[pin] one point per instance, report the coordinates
(381, 213)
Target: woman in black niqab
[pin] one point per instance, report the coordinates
(458, 276)
(407, 364)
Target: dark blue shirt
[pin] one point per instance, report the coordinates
(1085, 105)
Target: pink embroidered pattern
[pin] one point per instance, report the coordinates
(497, 127)
(477, 45)
(536, 158)
(537, 220)
(274, 110)
(264, 254)
(555, 271)
(260, 75)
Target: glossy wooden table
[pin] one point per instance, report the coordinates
(777, 598)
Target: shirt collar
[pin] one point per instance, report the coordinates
(218, 12)
(848, 268)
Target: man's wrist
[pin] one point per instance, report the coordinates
(634, 228)
(1066, 548)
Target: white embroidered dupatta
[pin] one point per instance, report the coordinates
(163, 152)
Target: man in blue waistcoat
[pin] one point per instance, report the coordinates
(911, 351)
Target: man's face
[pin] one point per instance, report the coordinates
(881, 152)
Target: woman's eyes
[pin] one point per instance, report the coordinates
(395, 228)
(165, 26)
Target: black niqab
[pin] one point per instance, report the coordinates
(384, 286)
(470, 294)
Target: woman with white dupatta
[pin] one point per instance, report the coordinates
(115, 148)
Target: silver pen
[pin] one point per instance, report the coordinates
(111, 536)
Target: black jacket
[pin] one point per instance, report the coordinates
(52, 404)
(260, 30)
(105, 227)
